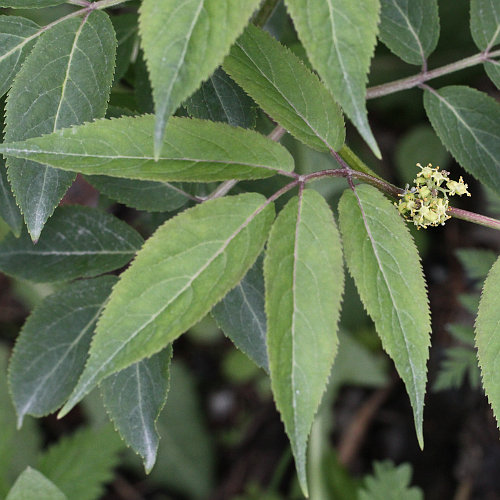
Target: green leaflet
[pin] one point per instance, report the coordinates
(52, 347)
(468, 123)
(339, 37)
(81, 463)
(488, 338)
(241, 315)
(304, 278)
(77, 242)
(126, 29)
(193, 150)
(185, 268)
(17, 37)
(286, 90)
(8, 209)
(33, 484)
(134, 398)
(410, 28)
(220, 99)
(485, 23)
(184, 41)
(384, 262)
(64, 81)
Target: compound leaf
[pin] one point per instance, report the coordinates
(184, 41)
(304, 278)
(185, 268)
(17, 38)
(410, 28)
(468, 123)
(33, 484)
(77, 242)
(52, 347)
(339, 37)
(194, 150)
(384, 262)
(134, 398)
(286, 90)
(64, 81)
(488, 338)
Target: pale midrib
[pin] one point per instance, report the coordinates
(19, 46)
(412, 31)
(83, 389)
(145, 427)
(381, 267)
(252, 310)
(66, 254)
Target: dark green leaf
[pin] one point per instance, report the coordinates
(64, 81)
(17, 37)
(181, 57)
(304, 278)
(9, 211)
(194, 150)
(459, 363)
(339, 37)
(80, 464)
(32, 484)
(31, 4)
(220, 99)
(286, 90)
(468, 123)
(488, 337)
(485, 23)
(241, 315)
(126, 35)
(52, 347)
(476, 261)
(201, 254)
(134, 398)
(77, 242)
(385, 265)
(410, 28)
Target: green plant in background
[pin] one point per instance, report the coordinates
(220, 72)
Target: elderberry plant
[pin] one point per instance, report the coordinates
(191, 85)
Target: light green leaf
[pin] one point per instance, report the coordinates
(32, 484)
(81, 463)
(384, 262)
(220, 99)
(286, 90)
(410, 28)
(468, 123)
(64, 81)
(194, 150)
(78, 242)
(488, 338)
(143, 195)
(184, 41)
(485, 23)
(390, 483)
(339, 37)
(134, 398)
(185, 268)
(17, 37)
(52, 347)
(304, 278)
(241, 315)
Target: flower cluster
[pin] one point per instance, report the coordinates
(426, 203)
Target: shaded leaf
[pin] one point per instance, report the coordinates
(17, 38)
(64, 81)
(304, 278)
(9, 211)
(241, 315)
(134, 398)
(77, 242)
(459, 363)
(201, 254)
(410, 28)
(33, 484)
(488, 337)
(476, 261)
(81, 463)
(181, 57)
(468, 123)
(485, 23)
(30, 4)
(52, 347)
(194, 150)
(384, 262)
(286, 90)
(493, 71)
(126, 30)
(220, 99)
(339, 37)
